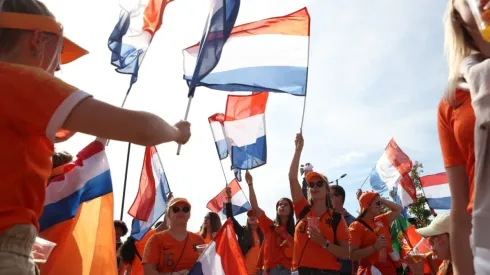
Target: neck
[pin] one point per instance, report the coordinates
(369, 216)
(319, 206)
(178, 229)
(340, 209)
(284, 220)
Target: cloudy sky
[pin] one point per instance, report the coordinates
(377, 71)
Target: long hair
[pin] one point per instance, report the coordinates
(215, 222)
(290, 222)
(458, 45)
(248, 235)
(127, 251)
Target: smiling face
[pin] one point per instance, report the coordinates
(179, 214)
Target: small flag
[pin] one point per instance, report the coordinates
(266, 55)
(239, 201)
(216, 123)
(222, 256)
(436, 190)
(151, 201)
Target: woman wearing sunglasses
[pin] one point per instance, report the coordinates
(321, 235)
(276, 252)
(370, 241)
(173, 250)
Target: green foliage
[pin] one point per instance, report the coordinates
(420, 208)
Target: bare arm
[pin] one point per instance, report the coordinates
(150, 269)
(341, 250)
(395, 210)
(357, 254)
(296, 192)
(252, 196)
(462, 257)
(100, 119)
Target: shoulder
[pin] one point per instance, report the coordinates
(195, 237)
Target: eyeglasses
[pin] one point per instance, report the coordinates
(318, 184)
(185, 209)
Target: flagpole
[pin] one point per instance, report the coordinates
(306, 86)
(220, 162)
(366, 178)
(125, 180)
(191, 91)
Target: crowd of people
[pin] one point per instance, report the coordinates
(311, 233)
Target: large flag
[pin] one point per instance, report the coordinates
(129, 41)
(391, 173)
(222, 256)
(244, 127)
(219, 24)
(151, 201)
(266, 55)
(239, 202)
(436, 191)
(79, 217)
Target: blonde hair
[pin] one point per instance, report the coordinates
(9, 38)
(458, 44)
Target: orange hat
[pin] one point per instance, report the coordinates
(366, 199)
(250, 213)
(175, 201)
(24, 21)
(315, 176)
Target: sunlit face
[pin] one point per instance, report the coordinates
(180, 213)
(318, 190)
(283, 208)
(440, 246)
(207, 220)
(375, 206)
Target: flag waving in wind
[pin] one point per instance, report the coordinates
(132, 35)
(436, 191)
(216, 124)
(266, 55)
(239, 202)
(391, 169)
(151, 201)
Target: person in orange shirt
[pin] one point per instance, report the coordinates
(210, 226)
(278, 234)
(370, 239)
(175, 249)
(321, 235)
(37, 109)
(250, 237)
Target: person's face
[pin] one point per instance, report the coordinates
(180, 214)
(440, 246)
(207, 220)
(317, 189)
(47, 48)
(283, 208)
(253, 221)
(337, 200)
(466, 21)
(375, 207)
(119, 232)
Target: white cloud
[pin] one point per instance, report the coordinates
(376, 72)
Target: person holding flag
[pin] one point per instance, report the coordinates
(37, 109)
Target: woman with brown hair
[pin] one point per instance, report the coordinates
(37, 109)
(210, 226)
(321, 235)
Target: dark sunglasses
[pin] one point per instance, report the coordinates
(318, 184)
(378, 203)
(185, 209)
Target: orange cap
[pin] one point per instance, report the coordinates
(175, 201)
(366, 199)
(31, 22)
(315, 176)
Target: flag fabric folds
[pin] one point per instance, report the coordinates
(216, 124)
(129, 41)
(239, 202)
(151, 201)
(392, 174)
(436, 191)
(270, 54)
(79, 217)
(244, 128)
(219, 25)
(220, 256)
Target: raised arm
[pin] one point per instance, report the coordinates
(296, 192)
(164, 225)
(251, 195)
(395, 210)
(239, 231)
(100, 119)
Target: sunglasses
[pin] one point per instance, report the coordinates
(185, 209)
(318, 184)
(378, 203)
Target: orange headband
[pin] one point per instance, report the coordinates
(31, 22)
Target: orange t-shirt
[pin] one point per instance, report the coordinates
(456, 128)
(137, 266)
(253, 254)
(308, 253)
(273, 254)
(165, 251)
(34, 106)
(363, 237)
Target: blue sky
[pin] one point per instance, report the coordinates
(377, 71)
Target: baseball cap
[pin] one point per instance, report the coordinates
(175, 201)
(438, 226)
(366, 199)
(315, 176)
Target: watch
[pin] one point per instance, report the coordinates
(327, 244)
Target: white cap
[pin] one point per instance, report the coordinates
(438, 226)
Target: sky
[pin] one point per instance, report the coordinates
(376, 72)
